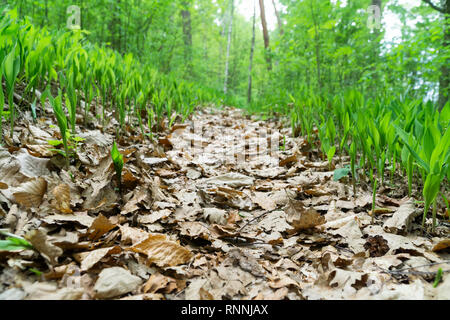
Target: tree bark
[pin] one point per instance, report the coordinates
(265, 35)
(444, 81)
(187, 32)
(280, 24)
(376, 51)
(227, 61)
(252, 50)
(317, 40)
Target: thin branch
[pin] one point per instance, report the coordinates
(256, 218)
(435, 7)
(405, 270)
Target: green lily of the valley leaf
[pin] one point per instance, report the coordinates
(341, 173)
(14, 244)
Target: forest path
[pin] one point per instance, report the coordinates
(223, 207)
(267, 220)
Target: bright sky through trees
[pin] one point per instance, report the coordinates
(390, 21)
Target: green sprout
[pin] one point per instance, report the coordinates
(62, 122)
(11, 68)
(118, 164)
(13, 242)
(438, 278)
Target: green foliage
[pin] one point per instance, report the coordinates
(11, 68)
(13, 243)
(118, 163)
(341, 85)
(2, 105)
(62, 123)
(341, 173)
(438, 278)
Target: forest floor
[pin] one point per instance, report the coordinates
(199, 219)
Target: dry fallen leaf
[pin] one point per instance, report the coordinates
(50, 291)
(195, 230)
(40, 242)
(89, 259)
(162, 251)
(232, 180)
(115, 281)
(99, 227)
(62, 197)
(132, 235)
(442, 245)
(205, 295)
(160, 283)
(301, 218)
(401, 220)
(288, 161)
(30, 194)
(264, 201)
(214, 215)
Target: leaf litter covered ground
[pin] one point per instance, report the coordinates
(192, 225)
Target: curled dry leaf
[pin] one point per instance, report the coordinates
(205, 295)
(401, 220)
(441, 245)
(163, 284)
(214, 215)
(132, 235)
(301, 218)
(30, 194)
(39, 240)
(195, 230)
(99, 227)
(115, 281)
(264, 201)
(232, 180)
(50, 291)
(247, 262)
(3, 186)
(162, 252)
(339, 278)
(62, 198)
(89, 259)
(288, 161)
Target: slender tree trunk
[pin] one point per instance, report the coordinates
(252, 50)
(376, 51)
(444, 81)
(187, 32)
(265, 35)
(82, 26)
(116, 30)
(46, 12)
(317, 40)
(227, 62)
(280, 24)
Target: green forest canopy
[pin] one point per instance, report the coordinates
(323, 46)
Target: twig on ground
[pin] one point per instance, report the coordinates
(405, 270)
(256, 218)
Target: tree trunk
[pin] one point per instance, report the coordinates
(280, 24)
(376, 51)
(227, 62)
(317, 40)
(265, 35)
(444, 81)
(46, 12)
(252, 50)
(187, 32)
